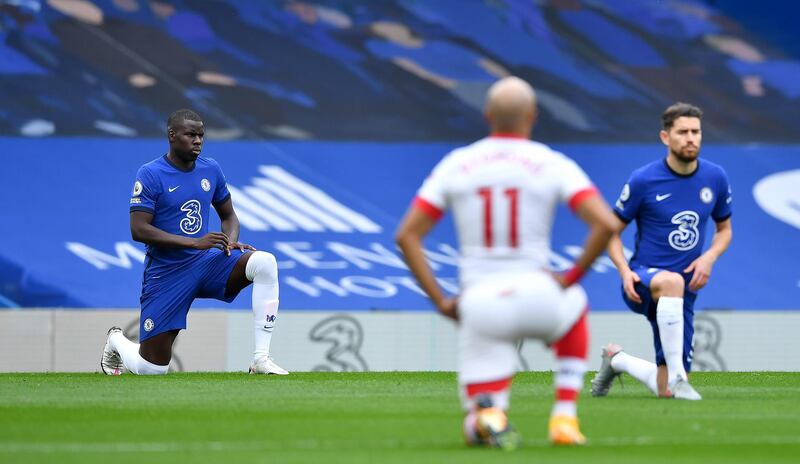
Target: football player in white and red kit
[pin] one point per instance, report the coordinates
(503, 191)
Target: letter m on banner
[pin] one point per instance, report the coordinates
(125, 251)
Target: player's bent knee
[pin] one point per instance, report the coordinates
(262, 267)
(667, 283)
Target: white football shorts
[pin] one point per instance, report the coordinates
(497, 312)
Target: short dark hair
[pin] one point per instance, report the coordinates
(678, 110)
(177, 117)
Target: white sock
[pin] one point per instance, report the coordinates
(129, 352)
(568, 381)
(669, 316)
(641, 370)
(262, 270)
(565, 408)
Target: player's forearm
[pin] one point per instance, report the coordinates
(153, 236)
(594, 211)
(418, 265)
(616, 253)
(230, 227)
(595, 244)
(719, 244)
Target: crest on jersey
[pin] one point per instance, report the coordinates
(137, 188)
(148, 325)
(625, 193)
(706, 195)
(205, 184)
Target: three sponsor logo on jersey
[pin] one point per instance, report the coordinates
(193, 221)
(687, 234)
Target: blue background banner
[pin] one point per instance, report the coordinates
(328, 211)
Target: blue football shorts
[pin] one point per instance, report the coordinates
(167, 297)
(647, 308)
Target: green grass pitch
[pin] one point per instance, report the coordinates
(379, 418)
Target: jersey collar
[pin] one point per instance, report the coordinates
(677, 174)
(166, 158)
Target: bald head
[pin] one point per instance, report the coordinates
(511, 106)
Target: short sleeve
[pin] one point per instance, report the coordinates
(722, 208)
(221, 193)
(630, 200)
(145, 191)
(432, 195)
(574, 184)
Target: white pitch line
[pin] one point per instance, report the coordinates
(224, 446)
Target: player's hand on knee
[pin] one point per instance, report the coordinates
(449, 308)
(702, 271)
(212, 240)
(241, 246)
(629, 281)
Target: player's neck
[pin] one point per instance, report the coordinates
(183, 165)
(683, 168)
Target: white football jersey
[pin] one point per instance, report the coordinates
(503, 192)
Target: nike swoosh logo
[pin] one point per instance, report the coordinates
(172, 189)
(658, 197)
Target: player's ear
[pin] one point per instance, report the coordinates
(170, 134)
(664, 135)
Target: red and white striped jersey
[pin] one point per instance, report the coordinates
(503, 192)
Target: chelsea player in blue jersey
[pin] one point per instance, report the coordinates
(671, 201)
(169, 212)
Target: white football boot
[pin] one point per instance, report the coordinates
(601, 383)
(266, 365)
(681, 390)
(110, 362)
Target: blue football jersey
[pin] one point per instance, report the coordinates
(671, 212)
(180, 202)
